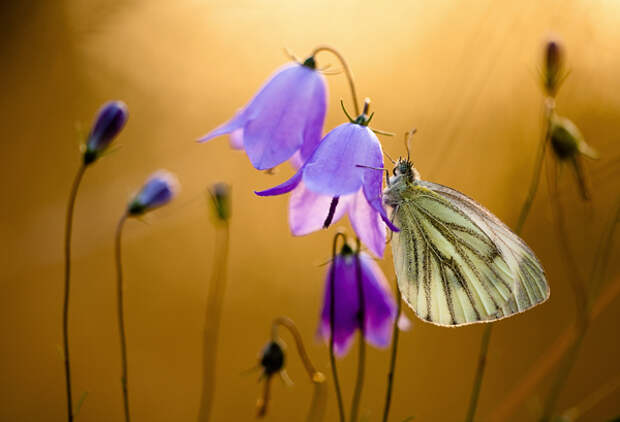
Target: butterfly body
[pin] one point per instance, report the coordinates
(457, 263)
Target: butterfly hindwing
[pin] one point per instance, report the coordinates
(457, 263)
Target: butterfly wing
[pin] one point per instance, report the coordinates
(457, 263)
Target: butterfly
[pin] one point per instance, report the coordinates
(457, 263)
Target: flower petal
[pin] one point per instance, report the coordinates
(235, 140)
(333, 168)
(380, 307)
(308, 210)
(233, 124)
(276, 127)
(317, 108)
(373, 182)
(367, 224)
(285, 187)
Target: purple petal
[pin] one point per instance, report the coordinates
(110, 119)
(308, 210)
(235, 140)
(285, 187)
(313, 131)
(373, 182)
(333, 168)
(285, 116)
(158, 190)
(230, 126)
(380, 308)
(367, 224)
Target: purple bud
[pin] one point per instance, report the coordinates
(553, 66)
(109, 121)
(158, 190)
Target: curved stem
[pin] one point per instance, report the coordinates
(347, 72)
(121, 320)
(313, 374)
(65, 307)
(332, 325)
(361, 359)
(525, 211)
(395, 332)
(215, 302)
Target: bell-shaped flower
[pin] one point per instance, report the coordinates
(285, 117)
(158, 190)
(568, 145)
(379, 304)
(342, 177)
(109, 122)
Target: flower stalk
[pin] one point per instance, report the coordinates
(347, 72)
(67, 287)
(332, 326)
(361, 359)
(121, 315)
(391, 371)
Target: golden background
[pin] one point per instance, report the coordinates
(464, 73)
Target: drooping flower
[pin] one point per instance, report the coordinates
(158, 190)
(568, 145)
(271, 362)
(109, 122)
(379, 304)
(341, 177)
(285, 117)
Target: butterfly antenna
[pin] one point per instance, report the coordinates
(408, 136)
(390, 158)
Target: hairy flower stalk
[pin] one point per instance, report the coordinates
(158, 190)
(392, 369)
(220, 197)
(108, 123)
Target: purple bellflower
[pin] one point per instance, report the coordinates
(341, 177)
(284, 120)
(109, 122)
(158, 190)
(379, 303)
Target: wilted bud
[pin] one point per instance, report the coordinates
(158, 190)
(553, 71)
(568, 145)
(272, 359)
(109, 121)
(220, 200)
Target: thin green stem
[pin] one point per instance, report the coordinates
(65, 307)
(549, 105)
(347, 72)
(361, 359)
(215, 302)
(482, 360)
(581, 304)
(390, 377)
(540, 156)
(121, 316)
(332, 325)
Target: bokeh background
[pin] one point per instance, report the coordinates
(464, 73)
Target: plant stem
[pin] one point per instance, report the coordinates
(121, 321)
(65, 308)
(549, 105)
(347, 72)
(332, 326)
(215, 301)
(361, 360)
(395, 333)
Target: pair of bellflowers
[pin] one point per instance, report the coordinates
(336, 175)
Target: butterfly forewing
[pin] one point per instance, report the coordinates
(456, 262)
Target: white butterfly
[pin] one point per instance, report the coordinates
(456, 262)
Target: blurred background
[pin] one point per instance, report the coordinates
(464, 74)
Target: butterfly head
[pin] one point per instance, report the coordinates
(404, 175)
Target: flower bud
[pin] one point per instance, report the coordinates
(272, 359)
(109, 121)
(158, 190)
(553, 72)
(220, 200)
